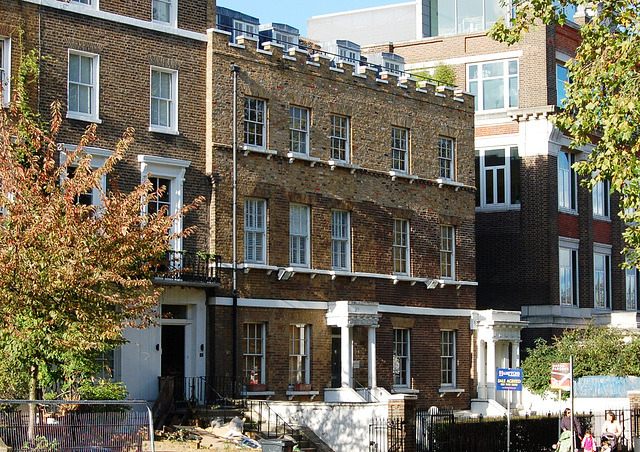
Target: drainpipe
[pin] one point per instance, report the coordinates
(234, 291)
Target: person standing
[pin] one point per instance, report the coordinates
(588, 444)
(565, 425)
(611, 426)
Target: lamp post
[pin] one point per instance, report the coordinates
(234, 68)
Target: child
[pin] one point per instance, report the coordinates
(587, 442)
(605, 446)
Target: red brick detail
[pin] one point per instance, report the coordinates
(502, 129)
(602, 231)
(568, 226)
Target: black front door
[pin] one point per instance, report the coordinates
(173, 355)
(336, 364)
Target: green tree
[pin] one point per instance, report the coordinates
(72, 276)
(442, 73)
(602, 109)
(595, 350)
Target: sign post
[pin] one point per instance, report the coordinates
(562, 380)
(509, 380)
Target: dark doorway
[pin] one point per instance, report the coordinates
(173, 355)
(336, 365)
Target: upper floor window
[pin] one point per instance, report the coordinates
(164, 105)
(299, 348)
(299, 130)
(448, 358)
(447, 252)
(340, 240)
(254, 122)
(464, 16)
(631, 282)
(446, 158)
(401, 246)
(400, 149)
(568, 271)
(340, 148)
(299, 233)
(255, 230)
(401, 357)
(601, 198)
(497, 177)
(92, 3)
(494, 84)
(93, 196)
(562, 78)
(241, 28)
(168, 173)
(164, 11)
(253, 353)
(82, 86)
(5, 70)
(602, 279)
(567, 182)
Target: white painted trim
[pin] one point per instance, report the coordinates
(467, 59)
(94, 116)
(5, 43)
(120, 19)
(173, 129)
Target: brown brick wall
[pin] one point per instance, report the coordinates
(602, 231)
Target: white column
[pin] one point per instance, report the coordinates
(491, 369)
(481, 363)
(515, 349)
(372, 358)
(345, 350)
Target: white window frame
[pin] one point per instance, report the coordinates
(401, 247)
(401, 358)
(174, 170)
(299, 130)
(340, 240)
(448, 366)
(562, 79)
(173, 12)
(171, 102)
(400, 149)
(99, 157)
(242, 28)
(446, 158)
(252, 357)
(567, 183)
(481, 79)
(93, 87)
(89, 3)
(568, 271)
(601, 200)
(5, 70)
(255, 230)
(602, 276)
(255, 122)
(299, 351)
(340, 138)
(506, 169)
(447, 252)
(299, 235)
(631, 288)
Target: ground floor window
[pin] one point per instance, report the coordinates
(254, 339)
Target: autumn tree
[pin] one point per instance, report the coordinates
(73, 276)
(602, 109)
(596, 350)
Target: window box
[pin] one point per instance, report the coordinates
(302, 387)
(256, 387)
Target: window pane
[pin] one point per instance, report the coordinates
(493, 94)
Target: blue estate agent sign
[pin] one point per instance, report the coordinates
(509, 380)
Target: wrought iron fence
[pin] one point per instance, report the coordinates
(190, 267)
(81, 430)
(387, 435)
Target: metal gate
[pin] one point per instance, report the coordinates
(433, 429)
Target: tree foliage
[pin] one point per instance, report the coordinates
(595, 350)
(602, 109)
(72, 276)
(442, 73)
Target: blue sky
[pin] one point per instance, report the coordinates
(297, 13)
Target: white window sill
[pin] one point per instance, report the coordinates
(402, 175)
(602, 218)
(441, 182)
(342, 164)
(567, 211)
(247, 148)
(267, 394)
(81, 117)
(292, 156)
(401, 390)
(311, 394)
(446, 390)
(164, 130)
(499, 208)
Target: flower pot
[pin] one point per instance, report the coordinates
(256, 387)
(302, 387)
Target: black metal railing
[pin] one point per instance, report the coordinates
(267, 421)
(387, 435)
(188, 266)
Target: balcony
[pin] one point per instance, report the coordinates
(187, 268)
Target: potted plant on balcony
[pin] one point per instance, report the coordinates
(302, 386)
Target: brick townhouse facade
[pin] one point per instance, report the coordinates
(133, 64)
(356, 253)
